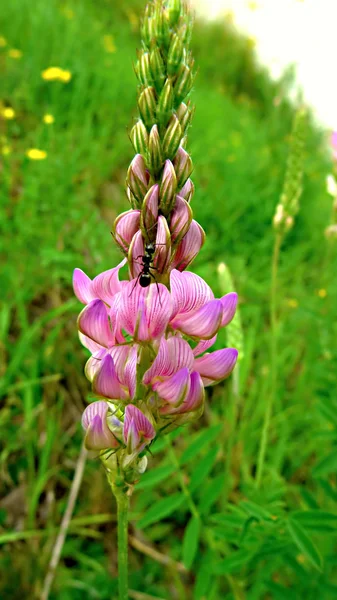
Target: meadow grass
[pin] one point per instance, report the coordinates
(198, 503)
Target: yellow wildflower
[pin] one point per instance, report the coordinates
(3, 42)
(8, 113)
(36, 154)
(56, 74)
(14, 53)
(292, 302)
(5, 150)
(322, 293)
(108, 43)
(48, 119)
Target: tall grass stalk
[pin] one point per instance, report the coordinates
(122, 499)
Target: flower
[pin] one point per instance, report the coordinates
(36, 154)
(15, 53)
(48, 119)
(56, 74)
(8, 113)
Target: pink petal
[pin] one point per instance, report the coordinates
(217, 365)
(161, 364)
(93, 322)
(144, 312)
(189, 246)
(194, 399)
(94, 421)
(174, 389)
(125, 227)
(130, 373)
(94, 364)
(163, 246)
(229, 302)
(181, 218)
(120, 357)
(88, 343)
(82, 286)
(136, 251)
(180, 353)
(107, 284)
(203, 345)
(150, 208)
(202, 323)
(188, 291)
(106, 382)
(138, 431)
(187, 190)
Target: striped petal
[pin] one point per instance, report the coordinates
(203, 345)
(93, 322)
(163, 246)
(136, 251)
(106, 382)
(189, 246)
(125, 227)
(174, 389)
(189, 292)
(194, 399)
(217, 365)
(144, 312)
(94, 421)
(82, 286)
(107, 284)
(229, 303)
(181, 218)
(138, 431)
(202, 323)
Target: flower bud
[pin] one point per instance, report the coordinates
(157, 68)
(175, 54)
(172, 138)
(143, 69)
(181, 218)
(187, 191)
(168, 188)
(165, 104)
(137, 178)
(125, 227)
(149, 214)
(161, 26)
(148, 26)
(183, 166)
(155, 151)
(184, 82)
(185, 115)
(147, 106)
(140, 138)
(174, 10)
(163, 246)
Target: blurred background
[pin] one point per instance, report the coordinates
(67, 102)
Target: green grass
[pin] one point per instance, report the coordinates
(56, 214)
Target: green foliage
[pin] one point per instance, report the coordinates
(197, 505)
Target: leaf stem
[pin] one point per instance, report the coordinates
(122, 500)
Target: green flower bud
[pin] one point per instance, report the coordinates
(147, 106)
(183, 84)
(168, 188)
(155, 151)
(165, 104)
(172, 138)
(137, 178)
(140, 138)
(157, 69)
(175, 54)
(161, 25)
(185, 114)
(174, 11)
(148, 26)
(143, 69)
(183, 166)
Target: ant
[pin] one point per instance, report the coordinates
(145, 276)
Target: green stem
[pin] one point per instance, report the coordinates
(122, 500)
(273, 352)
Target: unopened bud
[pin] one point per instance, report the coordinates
(143, 69)
(155, 151)
(161, 25)
(147, 106)
(279, 216)
(137, 179)
(148, 26)
(174, 10)
(157, 69)
(165, 104)
(149, 213)
(175, 54)
(187, 191)
(184, 114)
(172, 138)
(180, 221)
(168, 188)
(183, 166)
(184, 82)
(140, 138)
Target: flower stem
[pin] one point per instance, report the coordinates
(273, 355)
(122, 500)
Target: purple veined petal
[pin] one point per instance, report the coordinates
(136, 251)
(94, 364)
(189, 292)
(125, 227)
(161, 364)
(150, 208)
(120, 356)
(151, 304)
(189, 246)
(229, 303)
(217, 365)
(82, 286)
(163, 245)
(203, 345)
(94, 421)
(174, 389)
(138, 431)
(194, 399)
(93, 322)
(180, 353)
(106, 382)
(107, 284)
(88, 343)
(187, 191)
(181, 219)
(114, 320)
(130, 372)
(202, 323)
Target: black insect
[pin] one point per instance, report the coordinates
(145, 275)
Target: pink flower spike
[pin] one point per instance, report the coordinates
(125, 227)
(174, 389)
(107, 284)
(202, 323)
(151, 304)
(106, 382)
(189, 292)
(93, 322)
(163, 245)
(82, 286)
(94, 421)
(189, 246)
(136, 251)
(181, 218)
(138, 431)
(229, 303)
(217, 365)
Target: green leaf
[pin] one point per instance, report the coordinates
(211, 493)
(202, 439)
(318, 520)
(305, 544)
(260, 513)
(191, 541)
(203, 468)
(160, 509)
(279, 592)
(152, 478)
(326, 466)
(232, 563)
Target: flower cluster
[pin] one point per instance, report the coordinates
(149, 335)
